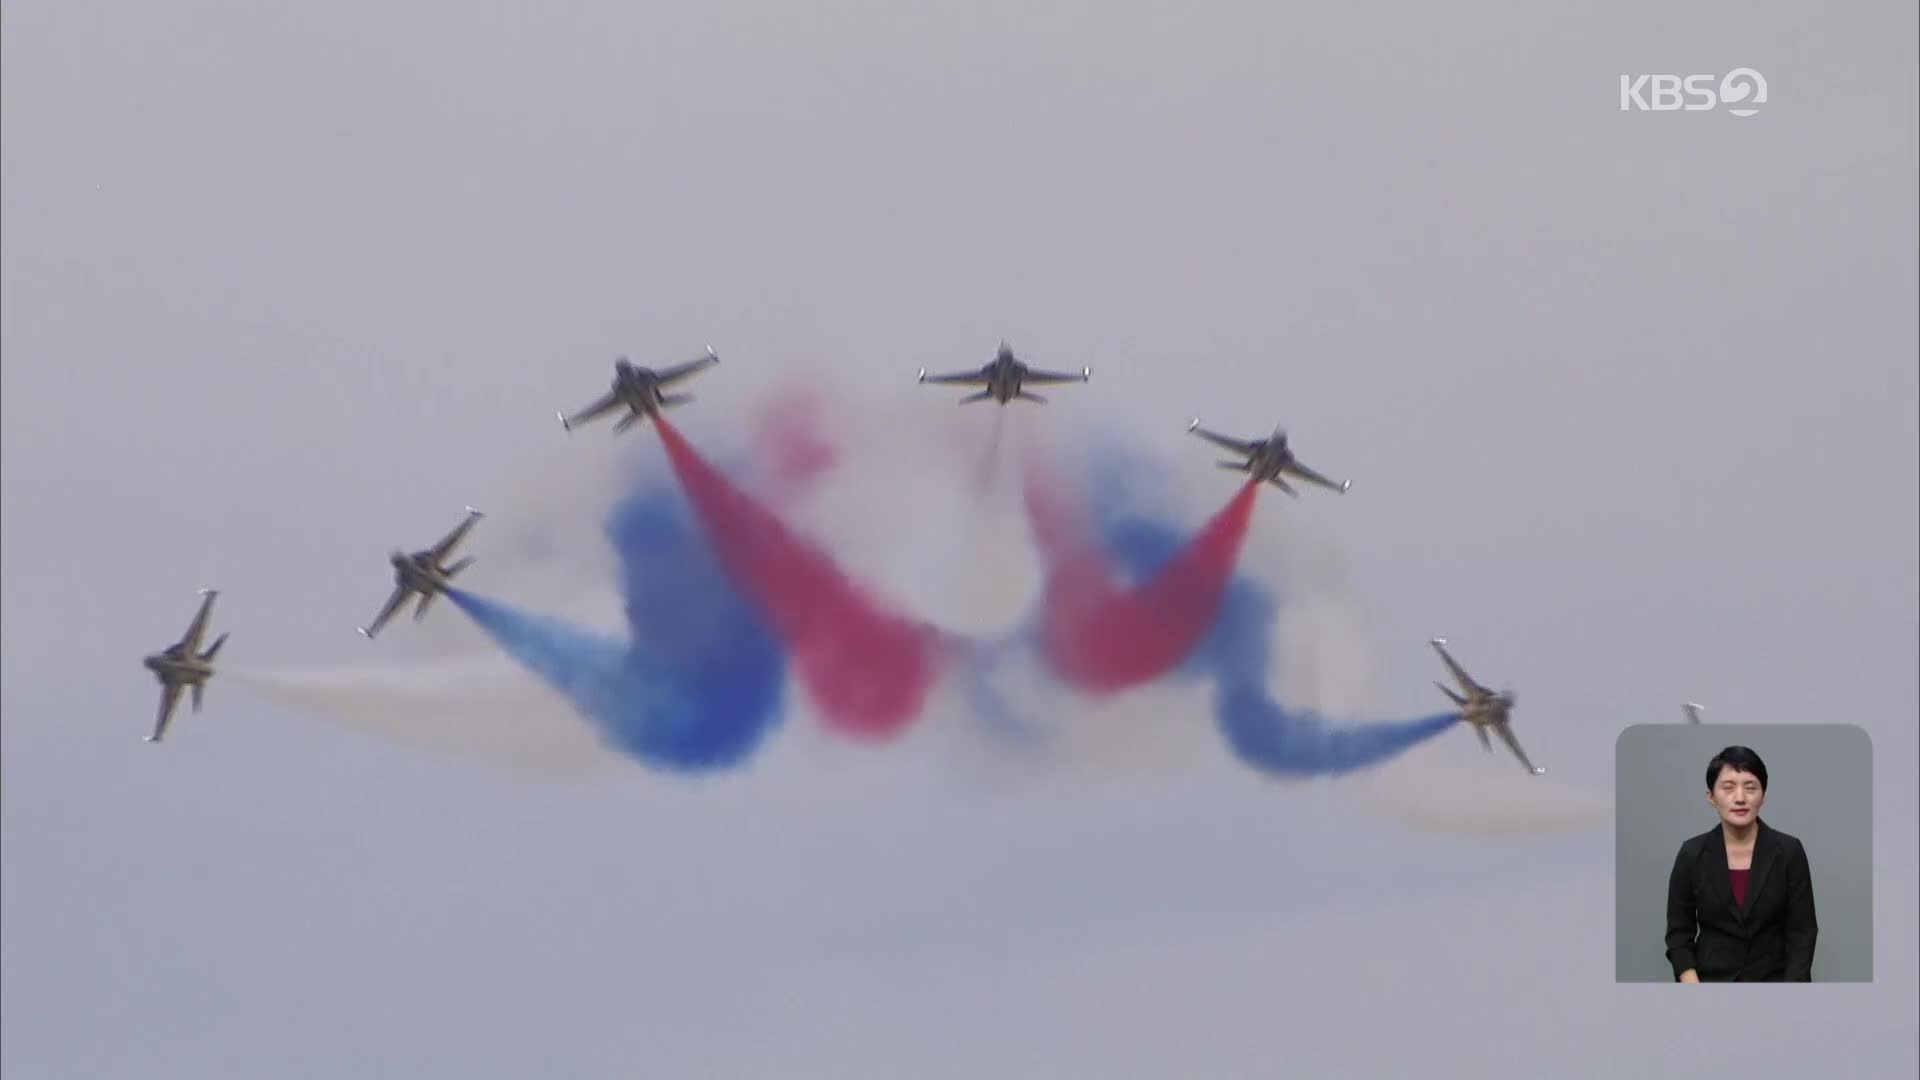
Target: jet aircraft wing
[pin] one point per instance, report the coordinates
(606, 404)
(169, 697)
(1513, 744)
(1473, 689)
(448, 542)
(957, 378)
(1054, 378)
(1312, 477)
(1238, 446)
(668, 376)
(393, 604)
(190, 641)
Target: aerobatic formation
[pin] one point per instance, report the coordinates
(725, 602)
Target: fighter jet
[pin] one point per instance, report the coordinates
(1005, 378)
(1268, 459)
(1483, 708)
(1693, 712)
(641, 390)
(181, 665)
(424, 572)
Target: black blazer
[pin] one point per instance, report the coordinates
(1767, 939)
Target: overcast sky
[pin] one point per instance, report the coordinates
(1628, 400)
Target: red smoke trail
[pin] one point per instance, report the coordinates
(788, 446)
(868, 670)
(1102, 637)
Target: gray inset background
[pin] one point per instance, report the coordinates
(1819, 788)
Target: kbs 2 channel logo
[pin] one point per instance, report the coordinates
(1741, 90)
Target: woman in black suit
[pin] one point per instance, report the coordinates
(1740, 901)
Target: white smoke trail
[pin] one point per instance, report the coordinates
(481, 707)
(1431, 789)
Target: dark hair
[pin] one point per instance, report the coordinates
(1739, 759)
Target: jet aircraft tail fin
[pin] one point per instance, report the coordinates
(213, 650)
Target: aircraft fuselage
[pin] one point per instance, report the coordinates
(172, 669)
(1004, 377)
(638, 387)
(417, 571)
(1270, 458)
(1487, 711)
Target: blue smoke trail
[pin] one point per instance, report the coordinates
(699, 684)
(1237, 652)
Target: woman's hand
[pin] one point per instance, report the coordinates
(1690, 975)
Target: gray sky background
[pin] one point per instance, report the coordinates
(1628, 400)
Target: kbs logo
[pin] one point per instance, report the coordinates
(1742, 89)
